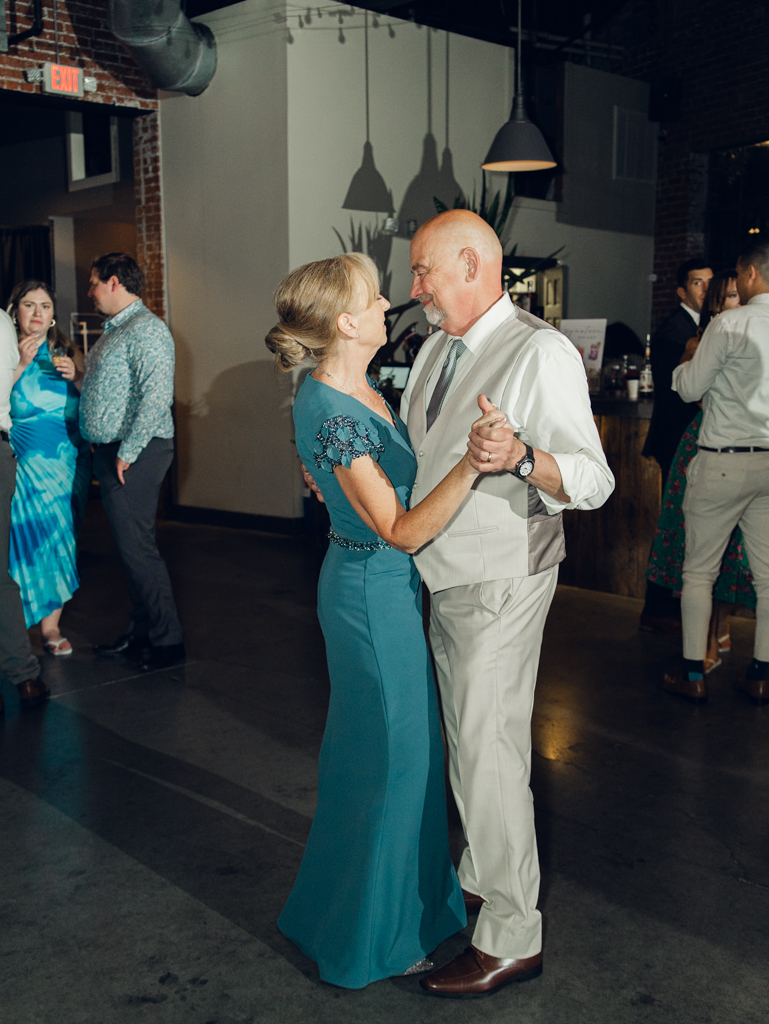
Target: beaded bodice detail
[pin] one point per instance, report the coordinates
(333, 429)
(342, 439)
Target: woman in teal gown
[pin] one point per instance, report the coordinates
(53, 465)
(376, 890)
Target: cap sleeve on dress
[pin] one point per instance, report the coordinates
(342, 439)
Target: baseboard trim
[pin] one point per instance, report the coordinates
(237, 520)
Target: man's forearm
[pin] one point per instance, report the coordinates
(546, 475)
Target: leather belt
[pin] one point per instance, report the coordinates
(729, 451)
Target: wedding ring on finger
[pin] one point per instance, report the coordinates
(488, 456)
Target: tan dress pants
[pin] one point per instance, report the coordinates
(486, 639)
(723, 490)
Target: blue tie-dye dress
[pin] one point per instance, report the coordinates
(52, 479)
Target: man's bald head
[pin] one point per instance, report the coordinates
(458, 229)
(456, 260)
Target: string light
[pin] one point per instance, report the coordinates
(375, 22)
(301, 22)
(308, 16)
(289, 37)
(341, 36)
(392, 31)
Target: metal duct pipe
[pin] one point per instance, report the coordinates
(176, 54)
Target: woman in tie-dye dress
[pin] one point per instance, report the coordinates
(53, 464)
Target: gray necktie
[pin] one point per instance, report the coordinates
(456, 349)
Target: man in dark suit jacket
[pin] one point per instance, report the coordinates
(671, 415)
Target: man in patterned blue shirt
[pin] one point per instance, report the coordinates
(125, 411)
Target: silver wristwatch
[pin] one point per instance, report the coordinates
(525, 467)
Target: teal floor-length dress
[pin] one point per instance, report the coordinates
(376, 891)
(53, 473)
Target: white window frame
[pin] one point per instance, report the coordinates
(76, 177)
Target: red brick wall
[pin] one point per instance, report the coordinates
(149, 230)
(721, 51)
(85, 41)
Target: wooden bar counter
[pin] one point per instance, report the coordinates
(608, 549)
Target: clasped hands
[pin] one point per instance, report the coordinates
(492, 445)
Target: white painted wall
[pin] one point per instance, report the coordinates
(225, 205)
(255, 172)
(327, 128)
(607, 272)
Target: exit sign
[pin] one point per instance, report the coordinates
(61, 80)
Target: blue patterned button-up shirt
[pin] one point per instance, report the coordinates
(128, 386)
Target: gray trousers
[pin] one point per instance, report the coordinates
(722, 491)
(486, 639)
(17, 662)
(132, 509)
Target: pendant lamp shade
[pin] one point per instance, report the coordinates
(518, 145)
(367, 189)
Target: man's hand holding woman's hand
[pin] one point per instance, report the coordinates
(493, 445)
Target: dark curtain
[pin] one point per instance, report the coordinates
(25, 252)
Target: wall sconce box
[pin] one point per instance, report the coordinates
(62, 80)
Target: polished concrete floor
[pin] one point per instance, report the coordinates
(151, 826)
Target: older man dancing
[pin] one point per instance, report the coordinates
(492, 571)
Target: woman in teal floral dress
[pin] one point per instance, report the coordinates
(53, 464)
(734, 584)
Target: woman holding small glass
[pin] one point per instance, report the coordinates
(53, 463)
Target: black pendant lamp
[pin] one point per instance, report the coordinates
(518, 145)
(367, 191)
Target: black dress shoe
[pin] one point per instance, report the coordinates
(151, 658)
(32, 693)
(125, 645)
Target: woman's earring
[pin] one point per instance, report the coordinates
(358, 334)
(53, 322)
(15, 321)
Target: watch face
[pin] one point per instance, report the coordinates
(526, 468)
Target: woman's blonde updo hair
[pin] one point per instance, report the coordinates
(310, 301)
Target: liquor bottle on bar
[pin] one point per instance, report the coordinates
(646, 383)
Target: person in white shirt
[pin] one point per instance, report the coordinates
(17, 662)
(492, 570)
(728, 479)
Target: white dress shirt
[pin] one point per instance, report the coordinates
(730, 373)
(9, 360)
(551, 410)
(692, 313)
(504, 528)
(472, 341)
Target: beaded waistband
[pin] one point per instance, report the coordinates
(357, 545)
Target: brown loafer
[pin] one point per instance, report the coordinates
(756, 689)
(473, 902)
(681, 685)
(474, 974)
(32, 693)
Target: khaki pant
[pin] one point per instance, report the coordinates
(722, 491)
(486, 639)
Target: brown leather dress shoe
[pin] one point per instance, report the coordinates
(474, 974)
(681, 685)
(32, 693)
(473, 902)
(756, 689)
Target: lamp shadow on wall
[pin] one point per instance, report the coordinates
(430, 183)
(231, 438)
